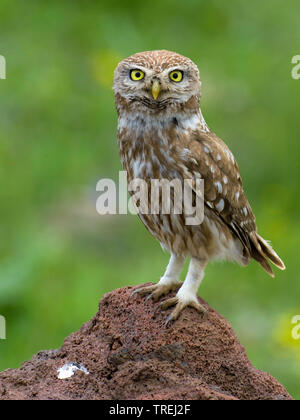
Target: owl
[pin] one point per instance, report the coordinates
(162, 135)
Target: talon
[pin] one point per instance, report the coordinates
(143, 291)
(180, 306)
(200, 308)
(149, 297)
(156, 308)
(169, 319)
(156, 291)
(169, 302)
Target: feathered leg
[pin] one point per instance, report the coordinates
(168, 282)
(187, 295)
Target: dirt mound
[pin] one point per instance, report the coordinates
(125, 352)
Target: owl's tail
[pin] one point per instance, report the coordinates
(261, 251)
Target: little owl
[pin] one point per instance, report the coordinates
(163, 135)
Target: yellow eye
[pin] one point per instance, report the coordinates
(176, 75)
(137, 74)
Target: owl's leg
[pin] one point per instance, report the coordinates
(168, 282)
(187, 295)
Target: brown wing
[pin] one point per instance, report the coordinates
(224, 194)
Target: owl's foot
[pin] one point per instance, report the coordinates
(157, 290)
(180, 305)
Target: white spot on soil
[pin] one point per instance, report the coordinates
(68, 370)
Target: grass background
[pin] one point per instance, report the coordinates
(58, 138)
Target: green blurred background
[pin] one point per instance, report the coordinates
(58, 138)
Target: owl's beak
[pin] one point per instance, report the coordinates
(155, 89)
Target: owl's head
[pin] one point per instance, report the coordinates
(156, 80)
